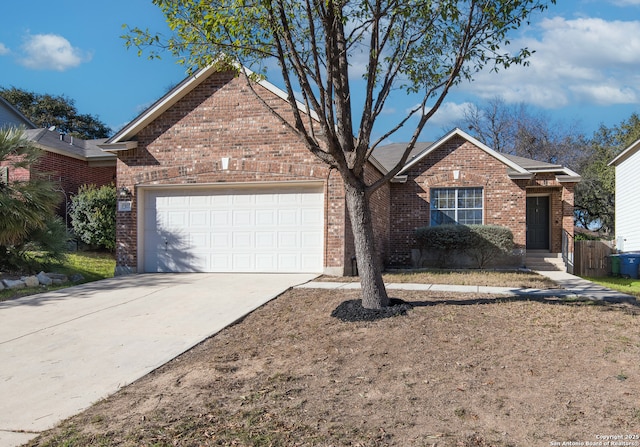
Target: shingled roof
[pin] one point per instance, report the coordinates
(86, 150)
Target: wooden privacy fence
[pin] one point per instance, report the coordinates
(591, 258)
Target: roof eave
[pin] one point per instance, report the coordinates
(119, 146)
(625, 153)
(568, 178)
(520, 175)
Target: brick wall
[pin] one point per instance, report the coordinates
(72, 173)
(504, 199)
(222, 118)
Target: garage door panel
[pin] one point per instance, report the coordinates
(265, 240)
(287, 240)
(242, 218)
(289, 261)
(266, 217)
(247, 230)
(288, 217)
(220, 241)
(199, 219)
(311, 217)
(220, 217)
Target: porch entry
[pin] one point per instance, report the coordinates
(538, 223)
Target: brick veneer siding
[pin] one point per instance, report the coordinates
(222, 118)
(69, 173)
(72, 173)
(504, 199)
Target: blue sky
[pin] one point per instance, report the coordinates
(586, 69)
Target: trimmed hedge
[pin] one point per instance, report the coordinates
(483, 243)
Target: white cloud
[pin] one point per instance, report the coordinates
(626, 2)
(3, 49)
(449, 113)
(586, 60)
(51, 52)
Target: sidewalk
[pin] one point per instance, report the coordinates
(571, 287)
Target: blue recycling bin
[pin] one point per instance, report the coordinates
(629, 264)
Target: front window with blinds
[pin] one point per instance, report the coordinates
(456, 206)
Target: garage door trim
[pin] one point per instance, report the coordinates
(142, 192)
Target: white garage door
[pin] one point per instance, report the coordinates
(241, 230)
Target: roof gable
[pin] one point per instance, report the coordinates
(9, 114)
(517, 167)
(122, 139)
(628, 152)
(459, 133)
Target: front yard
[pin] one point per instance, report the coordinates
(93, 266)
(457, 370)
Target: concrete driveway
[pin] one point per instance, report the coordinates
(62, 351)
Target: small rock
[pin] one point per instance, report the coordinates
(44, 279)
(14, 283)
(77, 278)
(58, 276)
(58, 282)
(31, 281)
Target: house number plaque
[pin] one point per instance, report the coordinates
(124, 205)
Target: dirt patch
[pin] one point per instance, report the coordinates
(456, 370)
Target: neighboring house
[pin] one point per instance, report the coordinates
(210, 180)
(72, 162)
(67, 161)
(12, 117)
(627, 166)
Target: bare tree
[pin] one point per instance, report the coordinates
(419, 46)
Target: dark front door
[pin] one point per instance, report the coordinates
(537, 223)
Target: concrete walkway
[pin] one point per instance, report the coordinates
(62, 351)
(571, 287)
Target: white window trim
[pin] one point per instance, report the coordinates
(456, 209)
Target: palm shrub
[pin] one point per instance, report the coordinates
(93, 215)
(27, 209)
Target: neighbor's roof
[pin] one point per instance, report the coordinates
(52, 141)
(517, 167)
(17, 114)
(628, 152)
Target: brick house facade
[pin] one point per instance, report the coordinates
(212, 132)
(460, 162)
(67, 162)
(212, 142)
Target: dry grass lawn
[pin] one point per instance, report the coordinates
(457, 370)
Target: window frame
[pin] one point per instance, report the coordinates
(436, 199)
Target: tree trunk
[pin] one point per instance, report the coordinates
(374, 293)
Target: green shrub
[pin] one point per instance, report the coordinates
(93, 216)
(489, 242)
(483, 243)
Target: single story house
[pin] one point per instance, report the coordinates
(627, 204)
(210, 180)
(72, 162)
